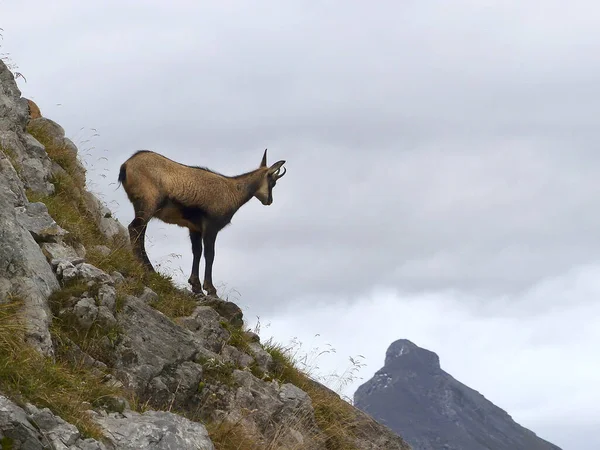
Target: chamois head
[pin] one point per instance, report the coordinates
(271, 174)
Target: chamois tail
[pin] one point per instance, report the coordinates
(122, 175)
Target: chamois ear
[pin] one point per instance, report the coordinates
(274, 169)
(263, 163)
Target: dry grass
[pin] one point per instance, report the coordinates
(68, 208)
(98, 341)
(335, 418)
(27, 376)
(232, 436)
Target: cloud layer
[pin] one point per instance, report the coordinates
(442, 168)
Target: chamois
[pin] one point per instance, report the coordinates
(193, 197)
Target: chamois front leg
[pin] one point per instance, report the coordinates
(194, 279)
(209, 257)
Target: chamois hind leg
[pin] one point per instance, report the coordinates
(137, 233)
(210, 237)
(194, 280)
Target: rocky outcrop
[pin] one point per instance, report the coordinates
(155, 430)
(413, 396)
(32, 428)
(201, 367)
(24, 271)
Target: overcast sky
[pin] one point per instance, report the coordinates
(442, 159)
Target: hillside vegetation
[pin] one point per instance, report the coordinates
(107, 346)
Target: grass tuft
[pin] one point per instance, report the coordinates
(335, 417)
(27, 376)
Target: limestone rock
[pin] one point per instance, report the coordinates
(30, 159)
(85, 312)
(107, 224)
(14, 112)
(204, 322)
(102, 250)
(24, 271)
(57, 252)
(15, 427)
(34, 217)
(148, 296)
(107, 296)
(154, 430)
(67, 271)
(228, 310)
(39, 429)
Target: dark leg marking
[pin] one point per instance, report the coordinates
(209, 256)
(194, 279)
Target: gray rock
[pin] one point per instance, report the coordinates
(102, 250)
(263, 359)
(35, 169)
(117, 277)
(15, 427)
(34, 217)
(289, 393)
(204, 322)
(92, 273)
(56, 253)
(105, 317)
(36, 429)
(236, 356)
(155, 430)
(86, 312)
(274, 413)
(228, 310)
(151, 342)
(176, 382)
(60, 433)
(16, 191)
(25, 271)
(14, 110)
(107, 224)
(65, 270)
(107, 296)
(148, 296)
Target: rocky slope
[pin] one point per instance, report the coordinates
(97, 354)
(412, 394)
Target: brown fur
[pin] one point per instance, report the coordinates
(34, 111)
(192, 197)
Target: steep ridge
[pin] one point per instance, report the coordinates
(95, 353)
(434, 411)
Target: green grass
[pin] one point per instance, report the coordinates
(27, 376)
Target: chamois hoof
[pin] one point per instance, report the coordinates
(211, 293)
(197, 290)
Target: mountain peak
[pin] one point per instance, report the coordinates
(406, 354)
(412, 395)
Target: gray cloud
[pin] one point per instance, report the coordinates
(432, 149)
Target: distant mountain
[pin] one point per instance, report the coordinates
(413, 396)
